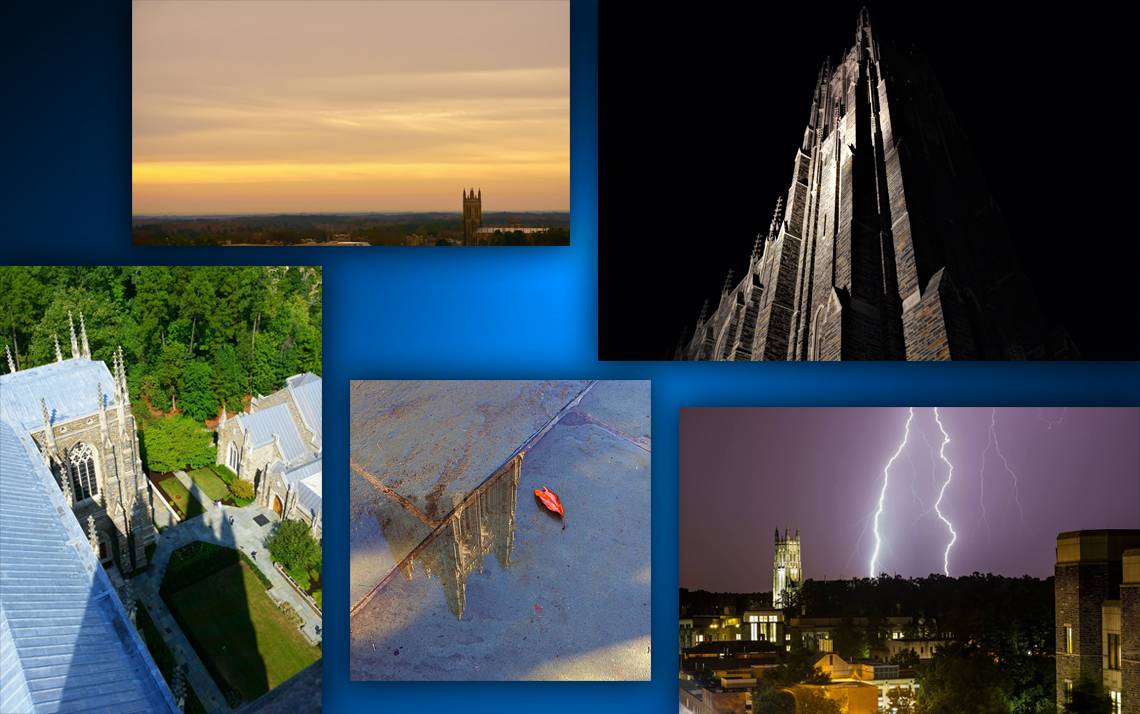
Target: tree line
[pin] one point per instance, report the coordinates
(194, 338)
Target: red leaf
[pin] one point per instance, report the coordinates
(550, 500)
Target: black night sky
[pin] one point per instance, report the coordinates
(701, 108)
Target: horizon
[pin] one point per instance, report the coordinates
(336, 213)
(864, 577)
(387, 108)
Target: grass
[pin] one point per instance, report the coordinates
(163, 657)
(179, 497)
(224, 473)
(214, 488)
(247, 643)
(215, 482)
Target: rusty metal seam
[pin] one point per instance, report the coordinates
(403, 501)
(518, 454)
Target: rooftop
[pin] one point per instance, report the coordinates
(66, 643)
(70, 389)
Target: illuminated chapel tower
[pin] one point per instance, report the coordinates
(786, 570)
(886, 245)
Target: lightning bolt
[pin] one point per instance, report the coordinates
(942, 492)
(883, 491)
(997, 448)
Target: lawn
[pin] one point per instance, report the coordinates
(246, 642)
(178, 496)
(214, 488)
(215, 482)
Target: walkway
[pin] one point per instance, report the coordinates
(245, 534)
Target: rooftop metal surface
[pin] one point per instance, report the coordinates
(306, 480)
(499, 588)
(276, 420)
(66, 643)
(70, 389)
(306, 391)
(430, 443)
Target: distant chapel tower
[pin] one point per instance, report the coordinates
(472, 215)
(786, 571)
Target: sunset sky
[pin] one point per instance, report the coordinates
(256, 107)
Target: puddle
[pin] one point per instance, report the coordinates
(483, 524)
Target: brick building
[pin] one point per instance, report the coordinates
(1097, 588)
(887, 245)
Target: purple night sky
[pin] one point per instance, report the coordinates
(745, 472)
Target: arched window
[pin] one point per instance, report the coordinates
(81, 463)
(232, 458)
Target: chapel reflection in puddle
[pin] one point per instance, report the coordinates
(483, 523)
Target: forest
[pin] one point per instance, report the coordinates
(193, 338)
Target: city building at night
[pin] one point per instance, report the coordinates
(1097, 584)
(923, 647)
(888, 678)
(853, 697)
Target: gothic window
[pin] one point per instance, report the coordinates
(232, 458)
(81, 464)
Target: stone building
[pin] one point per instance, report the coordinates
(73, 494)
(886, 246)
(79, 417)
(1097, 584)
(276, 446)
(787, 575)
(472, 216)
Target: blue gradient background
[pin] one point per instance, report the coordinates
(423, 313)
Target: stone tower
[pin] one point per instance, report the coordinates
(786, 569)
(472, 215)
(86, 434)
(1090, 587)
(886, 245)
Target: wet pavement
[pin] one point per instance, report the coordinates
(458, 572)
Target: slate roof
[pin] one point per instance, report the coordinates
(302, 457)
(262, 425)
(307, 482)
(69, 388)
(306, 391)
(66, 643)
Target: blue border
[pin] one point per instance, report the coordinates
(419, 313)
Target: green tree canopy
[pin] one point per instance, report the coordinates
(174, 443)
(294, 547)
(251, 326)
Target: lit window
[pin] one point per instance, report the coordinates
(1115, 697)
(1068, 691)
(1114, 651)
(1069, 641)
